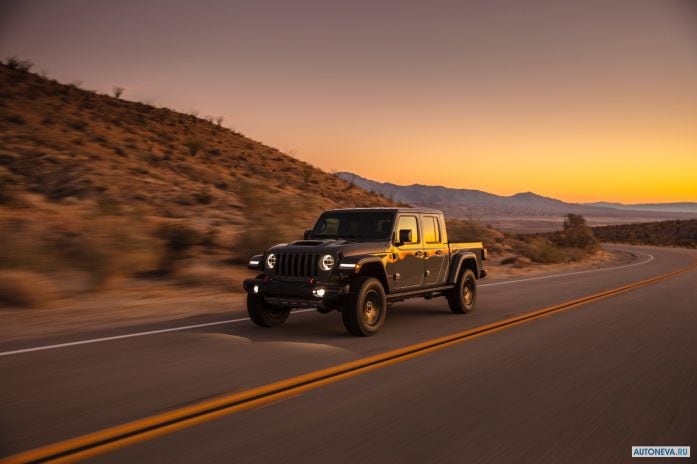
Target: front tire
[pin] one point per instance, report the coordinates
(462, 297)
(364, 309)
(265, 314)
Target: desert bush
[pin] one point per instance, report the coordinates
(576, 233)
(106, 247)
(25, 289)
(271, 220)
(475, 231)
(118, 91)
(540, 250)
(15, 119)
(194, 145)
(101, 246)
(307, 172)
(179, 240)
(15, 63)
(77, 124)
(204, 197)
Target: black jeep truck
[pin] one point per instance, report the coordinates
(358, 261)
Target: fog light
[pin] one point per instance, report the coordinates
(255, 289)
(319, 292)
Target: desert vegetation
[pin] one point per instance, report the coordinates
(573, 243)
(95, 189)
(665, 233)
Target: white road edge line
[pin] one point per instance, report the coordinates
(137, 334)
(242, 319)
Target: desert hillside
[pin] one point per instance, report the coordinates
(106, 186)
(664, 233)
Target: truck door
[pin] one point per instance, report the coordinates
(436, 258)
(408, 264)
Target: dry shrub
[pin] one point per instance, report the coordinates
(475, 231)
(194, 145)
(540, 250)
(102, 246)
(179, 240)
(25, 289)
(271, 220)
(107, 247)
(576, 234)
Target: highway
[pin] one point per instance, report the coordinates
(582, 383)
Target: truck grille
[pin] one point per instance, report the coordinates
(297, 265)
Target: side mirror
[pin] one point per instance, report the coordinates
(404, 237)
(306, 234)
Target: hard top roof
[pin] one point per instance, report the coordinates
(389, 210)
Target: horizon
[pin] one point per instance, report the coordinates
(375, 92)
(417, 184)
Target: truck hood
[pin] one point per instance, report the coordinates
(334, 247)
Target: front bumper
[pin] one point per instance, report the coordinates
(298, 294)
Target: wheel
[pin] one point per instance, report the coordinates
(264, 314)
(364, 309)
(461, 299)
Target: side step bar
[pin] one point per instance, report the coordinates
(421, 291)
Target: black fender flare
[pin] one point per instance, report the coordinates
(362, 262)
(458, 260)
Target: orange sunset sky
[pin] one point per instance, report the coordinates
(581, 101)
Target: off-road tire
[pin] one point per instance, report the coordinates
(364, 309)
(463, 296)
(264, 314)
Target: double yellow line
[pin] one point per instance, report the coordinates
(144, 429)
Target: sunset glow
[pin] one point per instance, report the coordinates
(581, 101)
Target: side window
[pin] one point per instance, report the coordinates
(330, 226)
(410, 223)
(431, 229)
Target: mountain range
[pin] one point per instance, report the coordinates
(678, 207)
(468, 203)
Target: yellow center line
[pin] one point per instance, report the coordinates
(109, 439)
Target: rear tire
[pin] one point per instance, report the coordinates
(364, 309)
(462, 298)
(264, 314)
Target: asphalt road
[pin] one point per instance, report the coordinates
(582, 385)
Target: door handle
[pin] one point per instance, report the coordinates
(439, 252)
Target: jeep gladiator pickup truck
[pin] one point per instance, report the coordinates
(358, 261)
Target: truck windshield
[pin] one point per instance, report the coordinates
(354, 225)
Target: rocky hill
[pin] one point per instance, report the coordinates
(104, 185)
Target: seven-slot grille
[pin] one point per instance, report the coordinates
(297, 265)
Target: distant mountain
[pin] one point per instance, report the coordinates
(680, 207)
(467, 203)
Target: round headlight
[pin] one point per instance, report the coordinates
(326, 262)
(271, 261)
